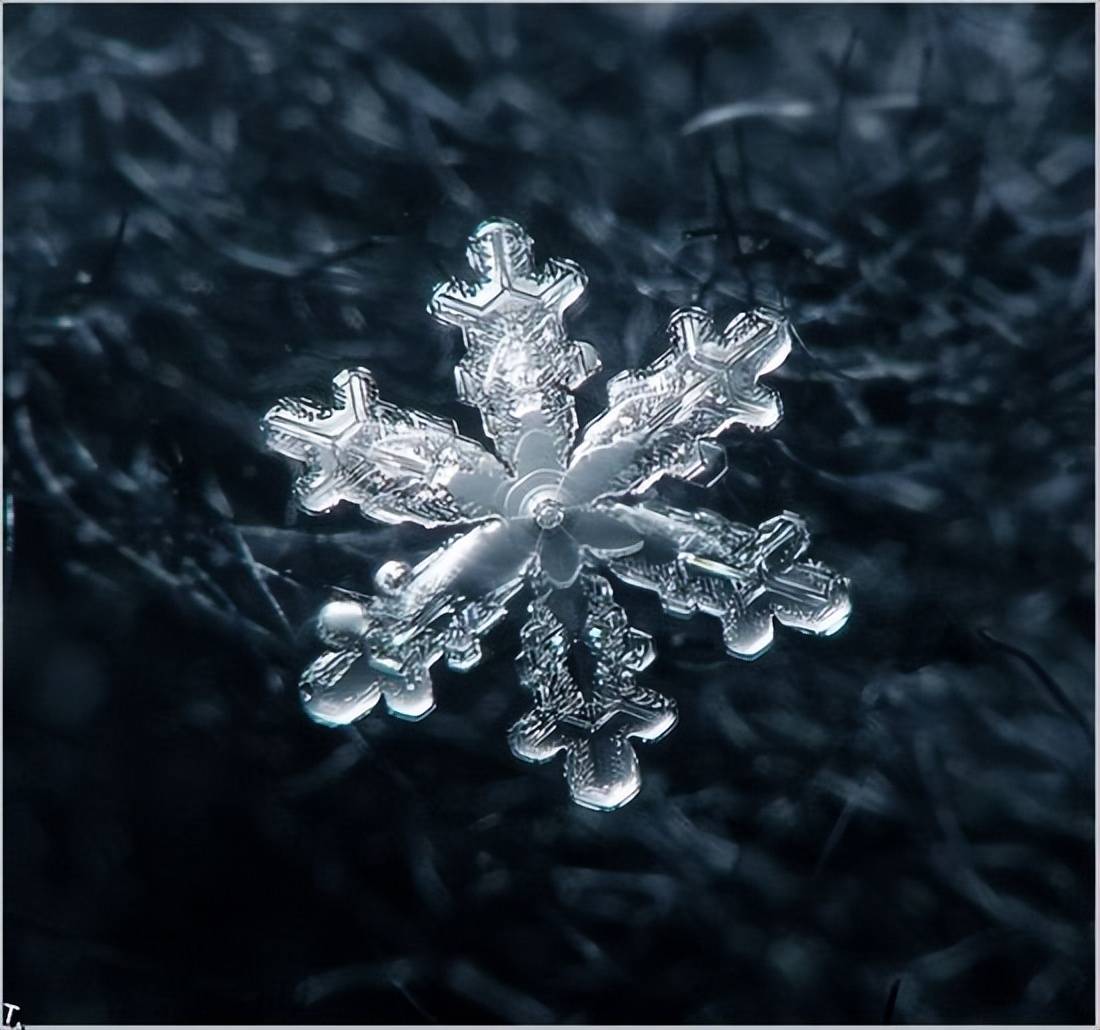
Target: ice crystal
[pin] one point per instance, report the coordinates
(548, 512)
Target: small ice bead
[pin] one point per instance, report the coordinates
(391, 577)
(342, 620)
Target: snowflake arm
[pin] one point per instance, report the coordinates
(396, 465)
(592, 727)
(660, 419)
(385, 645)
(520, 364)
(745, 577)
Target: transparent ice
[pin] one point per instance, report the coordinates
(548, 514)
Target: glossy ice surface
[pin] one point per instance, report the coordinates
(548, 510)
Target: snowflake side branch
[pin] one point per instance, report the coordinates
(747, 578)
(385, 645)
(660, 419)
(520, 363)
(593, 727)
(397, 465)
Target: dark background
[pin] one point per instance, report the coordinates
(206, 208)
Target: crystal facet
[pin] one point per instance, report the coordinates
(547, 512)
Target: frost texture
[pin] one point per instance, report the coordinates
(548, 511)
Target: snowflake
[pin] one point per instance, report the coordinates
(548, 514)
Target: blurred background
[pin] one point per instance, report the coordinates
(209, 207)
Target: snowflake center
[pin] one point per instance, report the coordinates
(549, 514)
